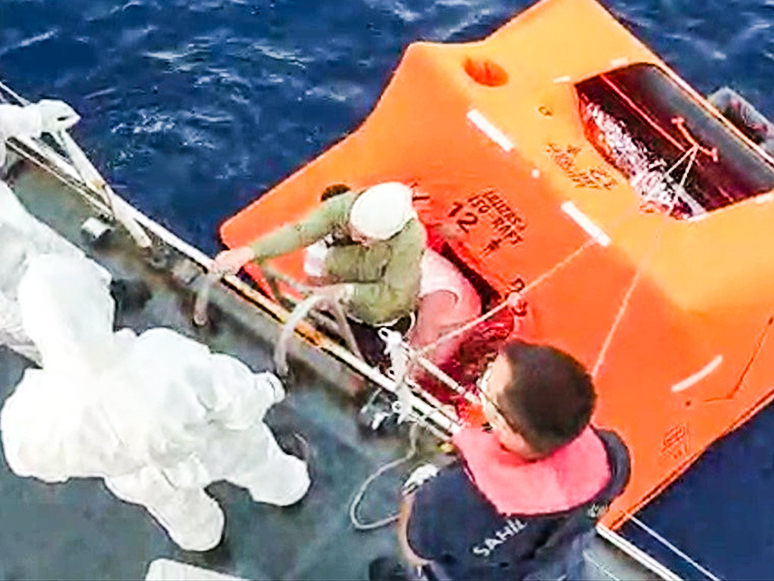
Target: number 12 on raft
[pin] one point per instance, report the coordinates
(508, 224)
(466, 219)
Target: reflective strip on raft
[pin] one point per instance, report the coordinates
(698, 376)
(488, 129)
(585, 222)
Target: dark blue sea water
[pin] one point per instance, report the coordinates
(193, 107)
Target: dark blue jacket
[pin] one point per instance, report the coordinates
(454, 525)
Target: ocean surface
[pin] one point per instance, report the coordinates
(192, 108)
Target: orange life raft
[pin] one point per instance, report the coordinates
(565, 156)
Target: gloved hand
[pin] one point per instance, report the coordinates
(56, 116)
(274, 383)
(230, 261)
(314, 258)
(418, 477)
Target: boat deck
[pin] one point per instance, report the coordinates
(77, 530)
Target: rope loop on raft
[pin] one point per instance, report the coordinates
(712, 153)
(624, 306)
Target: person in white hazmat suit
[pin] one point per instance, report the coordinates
(21, 235)
(158, 416)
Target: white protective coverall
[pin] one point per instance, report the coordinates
(158, 416)
(21, 235)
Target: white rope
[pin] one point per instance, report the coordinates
(591, 242)
(353, 516)
(463, 329)
(559, 265)
(624, 306)
(674, 549)
(531, 286)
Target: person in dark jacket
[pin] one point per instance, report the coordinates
(523, 497)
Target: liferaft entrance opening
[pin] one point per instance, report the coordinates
(653, 131)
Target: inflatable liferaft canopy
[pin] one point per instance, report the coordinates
(562, 157)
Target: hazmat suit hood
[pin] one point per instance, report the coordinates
(67, 311)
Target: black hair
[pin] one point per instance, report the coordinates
(334, 190)
(550, 397)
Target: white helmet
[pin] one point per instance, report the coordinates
(382, 210)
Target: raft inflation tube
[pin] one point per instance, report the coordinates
(563, 156)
